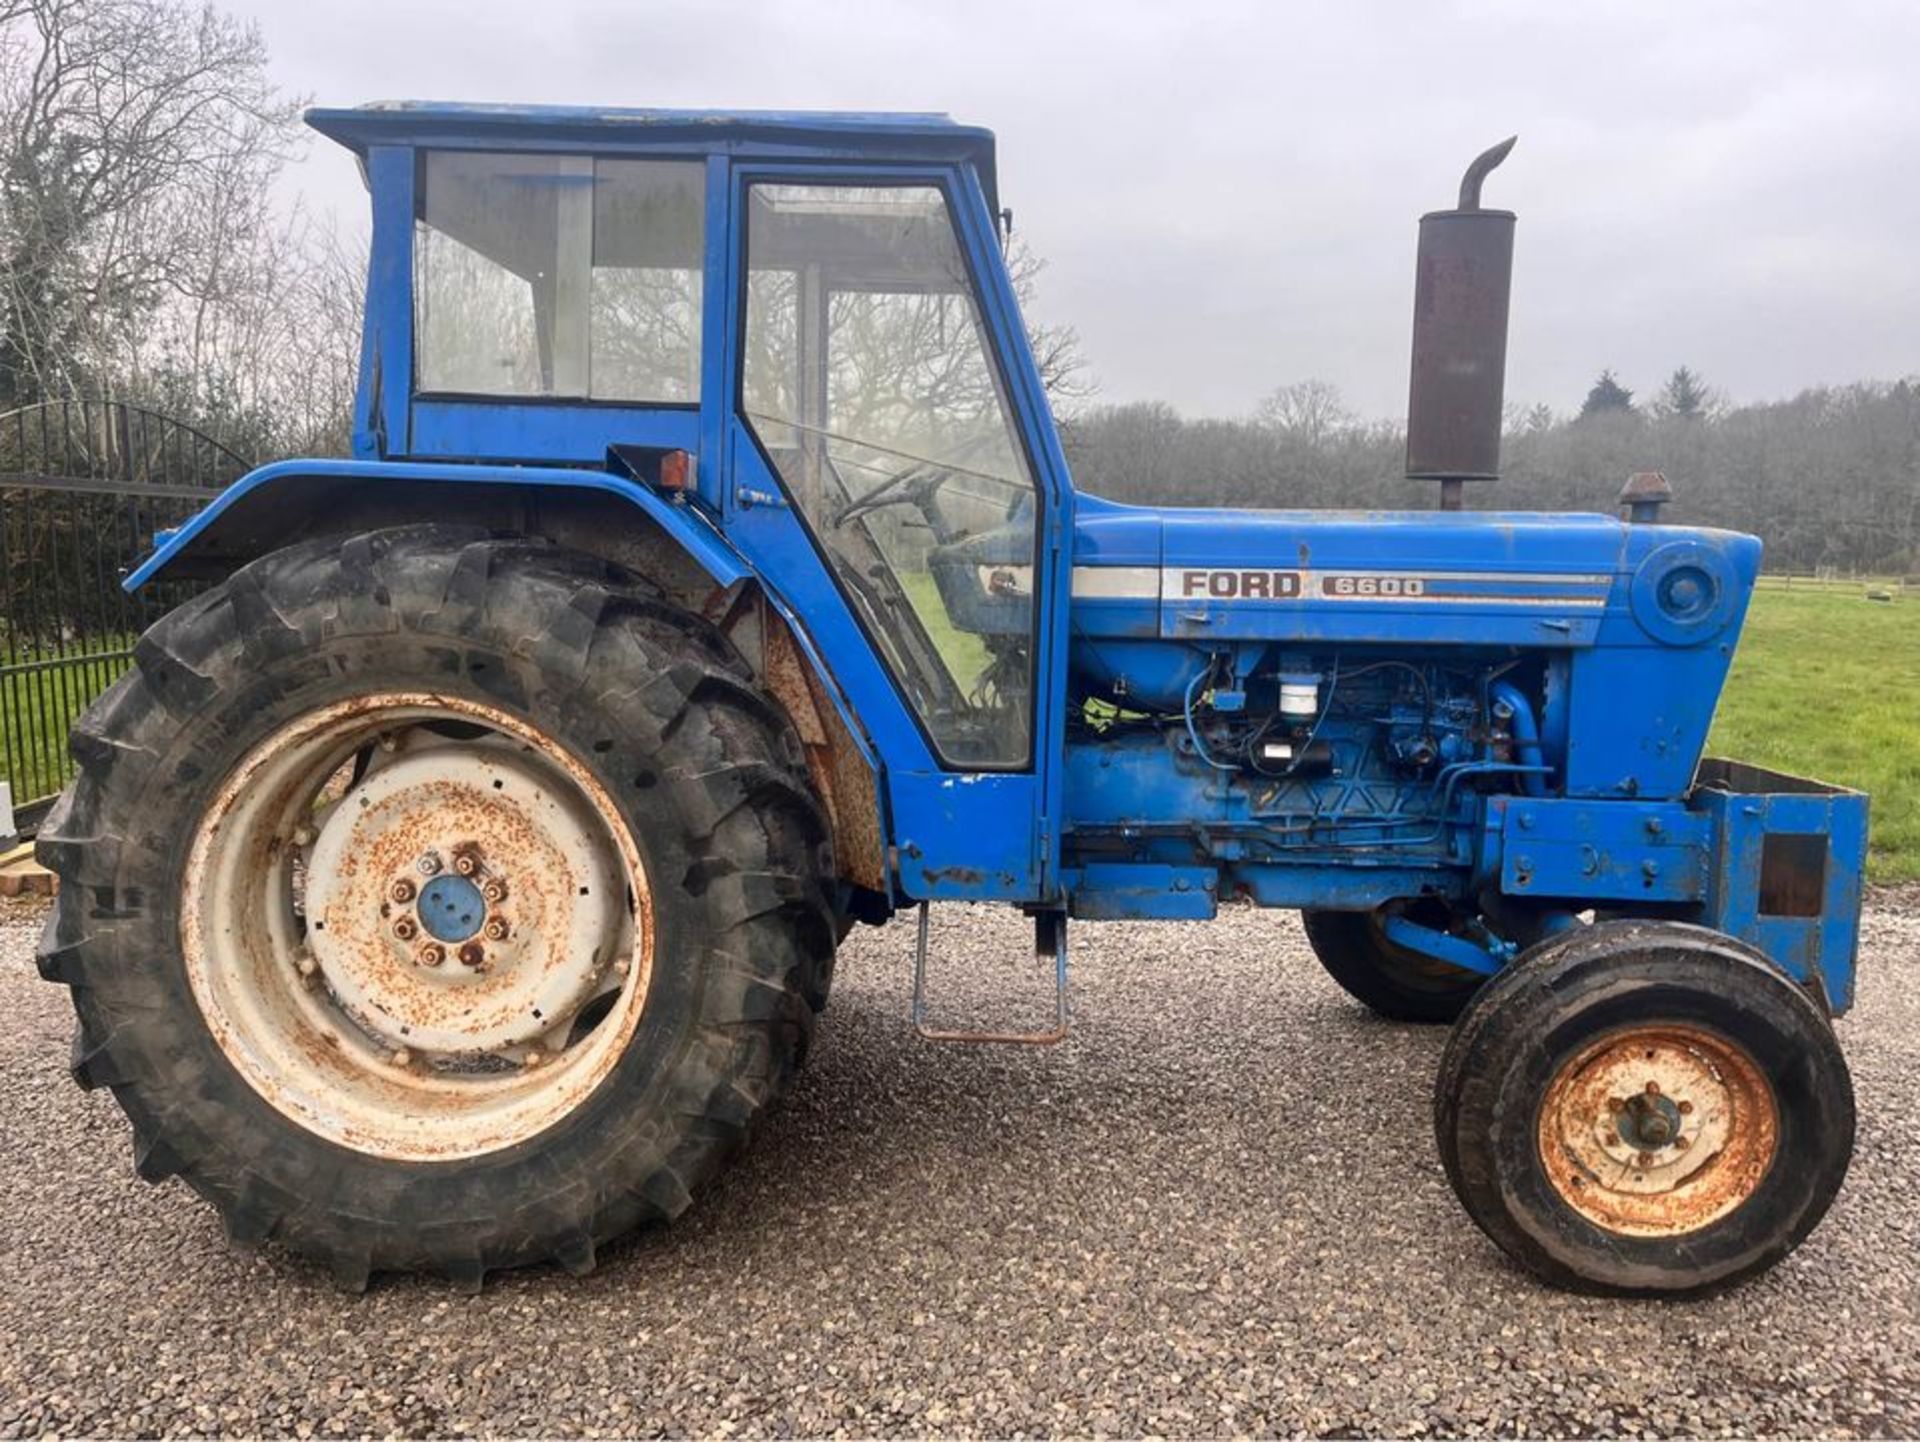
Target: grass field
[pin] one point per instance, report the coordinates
(1827, 684)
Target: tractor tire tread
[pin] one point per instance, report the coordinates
(725, 754)
(1514, 1014)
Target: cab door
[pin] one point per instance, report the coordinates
(887, 471)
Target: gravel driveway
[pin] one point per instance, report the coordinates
(1215, 1209)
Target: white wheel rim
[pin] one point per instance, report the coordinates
(417, 926)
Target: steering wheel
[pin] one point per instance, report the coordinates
(915, 484)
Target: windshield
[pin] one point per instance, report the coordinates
(870, 381)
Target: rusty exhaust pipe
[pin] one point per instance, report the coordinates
(1463, 279)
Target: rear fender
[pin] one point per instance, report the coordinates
(627, 522)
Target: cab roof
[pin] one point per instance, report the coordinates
(822, 134)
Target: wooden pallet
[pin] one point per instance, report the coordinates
(21, 875)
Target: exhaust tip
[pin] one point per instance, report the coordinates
(1483, 165)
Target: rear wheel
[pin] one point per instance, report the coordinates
(1399, 984)
(1644, 1107)
(434, 900)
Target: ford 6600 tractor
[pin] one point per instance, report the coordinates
(456, 880)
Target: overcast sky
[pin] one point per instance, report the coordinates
(1226, 193)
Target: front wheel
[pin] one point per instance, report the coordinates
(1644, 1107)
(438, 901)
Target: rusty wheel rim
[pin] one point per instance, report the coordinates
(1658, 1130)
(417, 926)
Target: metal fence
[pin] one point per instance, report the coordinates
(83, 487)
(1848, 582)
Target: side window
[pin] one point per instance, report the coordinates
(870, 380)
(558, 276)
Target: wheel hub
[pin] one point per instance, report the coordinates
(506, 828)
(452, 909)
(1658, 1130)
(1650, 1121)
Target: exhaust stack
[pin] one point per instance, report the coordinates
(1463, 277)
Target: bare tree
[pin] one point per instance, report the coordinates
(1064, 372)
(138, 142)
(1310, 412)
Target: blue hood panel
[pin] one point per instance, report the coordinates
(1416, 577)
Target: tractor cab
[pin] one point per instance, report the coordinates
(814, 312)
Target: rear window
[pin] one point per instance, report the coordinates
(558, 276)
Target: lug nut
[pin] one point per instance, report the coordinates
(472, 954)
(1686, 1109)
(401, 1057)
(1653, 1089)
(389, 742)
(1682, 1143)
(402, 890)
(496, 928)
(466, 863)
(1616, 1104)
(432, 954)
(533, 1057)
(303, 836)
(429, 864)
(404, 928)
(495, 891)
(622, 967)
(305, 964)
(1646, 1159)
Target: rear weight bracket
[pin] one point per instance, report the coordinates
(1049, 939)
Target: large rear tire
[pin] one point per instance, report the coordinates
(1644, 1108)
(435, 900)
(1395, 983)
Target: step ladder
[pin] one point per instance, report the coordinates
(1049, 940)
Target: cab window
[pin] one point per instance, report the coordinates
(558, 276)
(869, 379)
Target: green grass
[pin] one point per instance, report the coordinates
(965, 654)
(1827, 684)
(36, 709)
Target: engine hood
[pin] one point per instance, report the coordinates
(1416, 577)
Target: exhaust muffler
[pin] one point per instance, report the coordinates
(1463, 278)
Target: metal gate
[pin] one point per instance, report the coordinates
(83, 487)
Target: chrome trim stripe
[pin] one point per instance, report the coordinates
(1149, 583)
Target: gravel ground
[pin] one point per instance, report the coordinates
(1216, 1209)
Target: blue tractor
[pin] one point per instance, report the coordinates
(456, 880)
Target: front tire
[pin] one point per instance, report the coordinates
(1644, 1108)
(433, 900)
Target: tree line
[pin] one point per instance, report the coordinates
(1829, 479)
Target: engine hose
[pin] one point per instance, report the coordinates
(1526, 735)
(1193, 732)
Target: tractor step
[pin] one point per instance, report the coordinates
(1049, 940)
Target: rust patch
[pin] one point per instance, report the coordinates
(271, 1008)
(967, 877)
(840, 774)
(1658, 1130)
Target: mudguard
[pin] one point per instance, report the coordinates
(309, 485)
